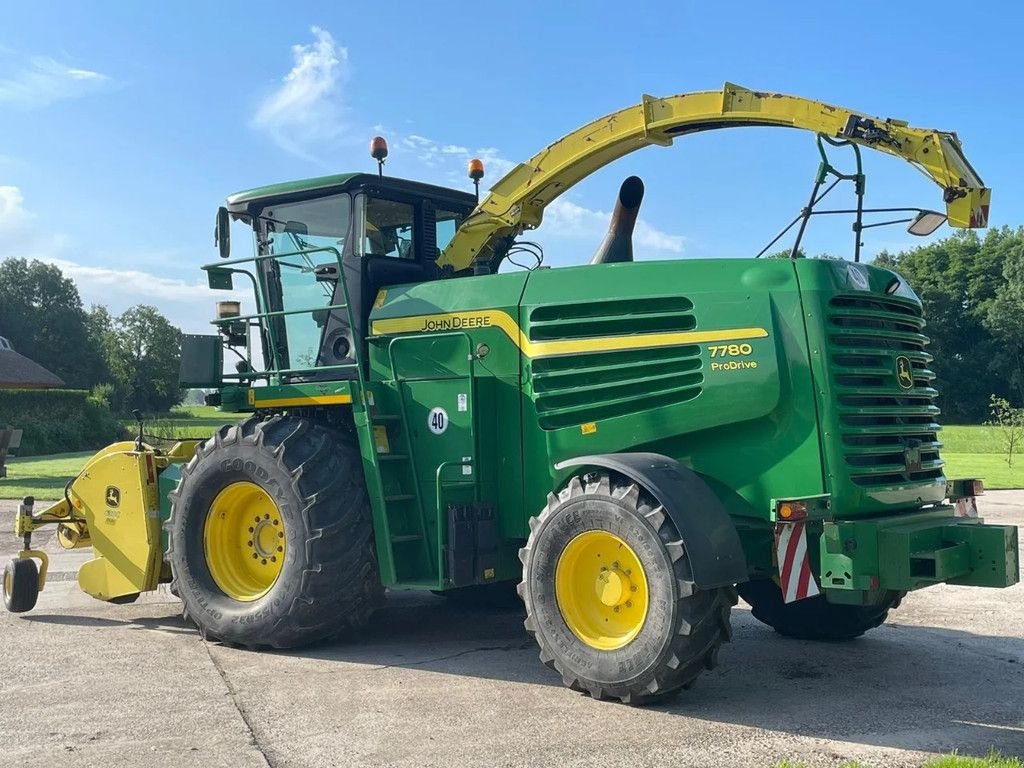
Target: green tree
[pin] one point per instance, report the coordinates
(958, 279)
(41, 315)
(144, 351)
(1005, 318)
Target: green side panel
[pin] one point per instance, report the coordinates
(341, 393)
(740, 413)
(881, 445)
(420, 373)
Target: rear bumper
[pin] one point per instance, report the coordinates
(910, 551)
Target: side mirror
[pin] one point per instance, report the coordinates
(926, 222)
(222, 232)
(219, 278)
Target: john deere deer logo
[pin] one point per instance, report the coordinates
(904, 373)
(113, 496)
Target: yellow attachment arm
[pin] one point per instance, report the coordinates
(518, 200)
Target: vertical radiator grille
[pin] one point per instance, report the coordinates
(889, 431)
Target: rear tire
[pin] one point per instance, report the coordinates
(326, 580)
(638, 658)
(813, 618)
(21, 585)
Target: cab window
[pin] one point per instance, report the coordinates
(445, 225)
(388, 229)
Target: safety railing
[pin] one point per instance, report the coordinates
(263, 318)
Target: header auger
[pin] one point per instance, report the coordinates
(631, 443)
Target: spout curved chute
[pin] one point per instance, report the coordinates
(517, 201)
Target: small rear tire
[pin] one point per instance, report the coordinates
(21, 585)
(813, 618)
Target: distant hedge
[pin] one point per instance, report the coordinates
(58, 420)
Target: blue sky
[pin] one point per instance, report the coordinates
(124, 125)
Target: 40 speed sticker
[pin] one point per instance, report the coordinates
(437, 420)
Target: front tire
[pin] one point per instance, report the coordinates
(271, 539)
(813, 618)
(610, 597)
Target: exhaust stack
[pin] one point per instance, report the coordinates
(618, 243)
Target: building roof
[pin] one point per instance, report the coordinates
(18, 372)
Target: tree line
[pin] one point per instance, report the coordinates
(129, 360)
(972, 289)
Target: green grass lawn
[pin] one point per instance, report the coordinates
(45, 476)
(185, 421)
(992, 760)
(968, 452)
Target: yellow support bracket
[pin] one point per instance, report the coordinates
(44, 560)
(516, 203)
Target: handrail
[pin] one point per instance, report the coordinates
(283, 313)
(258, 287)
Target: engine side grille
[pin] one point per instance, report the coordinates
(575, 389)
(621, 317)
(889, 434)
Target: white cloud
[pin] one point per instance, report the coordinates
(308, 109)
(187, 304)
(308, 112)
(42, 80)
(564, 218)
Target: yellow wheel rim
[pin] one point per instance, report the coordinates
(244, 541)
(8, 587)
(601, 590)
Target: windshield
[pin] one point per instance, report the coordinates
(301, 226)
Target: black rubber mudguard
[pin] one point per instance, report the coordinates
(709, 535)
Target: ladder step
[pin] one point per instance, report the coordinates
(405, 538)
(392, 457)
(400, 497)
(384, 417)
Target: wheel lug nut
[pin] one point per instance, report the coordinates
(616, 609)
(273, 559)
(264, 562)
(633, 588)
(254, 556)
(615, 564)
(280, 549)
(629, 603)
(251, 529)
(250, 543)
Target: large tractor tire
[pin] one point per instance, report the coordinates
(813, 618)
(271, 539)
(610, 597)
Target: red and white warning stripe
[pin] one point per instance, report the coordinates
(795, 575)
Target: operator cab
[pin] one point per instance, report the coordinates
(387, 231)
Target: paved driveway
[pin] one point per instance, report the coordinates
(84, 683)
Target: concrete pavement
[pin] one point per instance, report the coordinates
(84, 683)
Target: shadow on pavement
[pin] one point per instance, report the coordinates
(901, 686)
